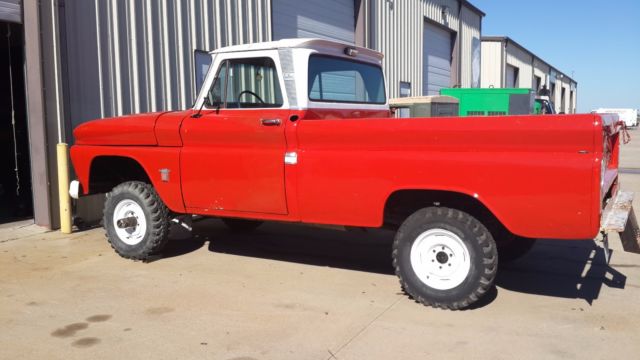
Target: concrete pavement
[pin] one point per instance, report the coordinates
(291, 292)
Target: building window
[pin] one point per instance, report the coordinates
(202, 60)
(537, 82)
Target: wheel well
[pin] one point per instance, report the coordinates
(108, 171)
(401, 204)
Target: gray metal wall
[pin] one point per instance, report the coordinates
(136, 56)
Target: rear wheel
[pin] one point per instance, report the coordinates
(241, 225)
(444, 258)
(136, 220)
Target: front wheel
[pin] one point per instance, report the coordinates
(136, 220)
(444, 258)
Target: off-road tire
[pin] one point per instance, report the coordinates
(481, 248)
(241, 225)
(156, 215)
(512, 247)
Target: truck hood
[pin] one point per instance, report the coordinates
(124, 130)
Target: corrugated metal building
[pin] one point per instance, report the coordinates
(88, 59)
(507, 64)
(427, 44)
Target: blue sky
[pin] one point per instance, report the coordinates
(597, 41)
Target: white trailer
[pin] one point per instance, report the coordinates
(629, 116)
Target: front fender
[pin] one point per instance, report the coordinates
(151, 159)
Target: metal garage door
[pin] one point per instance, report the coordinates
(511, 77)
(436, 60)
(326, 19)
(10, 10)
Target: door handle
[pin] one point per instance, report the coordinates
(270, 122)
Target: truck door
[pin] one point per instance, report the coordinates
(233, 154)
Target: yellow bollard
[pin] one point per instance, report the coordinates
(63, 189)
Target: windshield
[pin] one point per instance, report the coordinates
(333, 79)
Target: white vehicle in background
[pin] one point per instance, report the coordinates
(629, 116)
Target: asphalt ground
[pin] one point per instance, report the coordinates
(293, 292)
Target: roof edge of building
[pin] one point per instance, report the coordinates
(507, 39)
(473, 8)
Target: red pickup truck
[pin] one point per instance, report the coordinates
(301, 131)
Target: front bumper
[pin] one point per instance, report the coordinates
(74, 189)
(618, 216)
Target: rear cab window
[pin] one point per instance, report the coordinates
(334, 79)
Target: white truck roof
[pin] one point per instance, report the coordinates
(302, 43)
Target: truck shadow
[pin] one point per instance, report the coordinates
(566, 269)
(359, 250)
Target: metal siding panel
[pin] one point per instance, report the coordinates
(491, 64)
(138, 56)
(396, 30)
(11, 11)
(471, 22)
(328, 19)
(522, 60)
(541, 70)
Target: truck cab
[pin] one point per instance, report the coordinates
(252, 95)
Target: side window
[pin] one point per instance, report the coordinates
(253, 83)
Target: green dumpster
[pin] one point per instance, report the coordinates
(492, 101)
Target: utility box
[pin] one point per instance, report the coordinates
(493, 101)
(425, 106)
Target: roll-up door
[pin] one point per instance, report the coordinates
(436, 52)
(325, 19)
(11, 10)
(511, 79)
